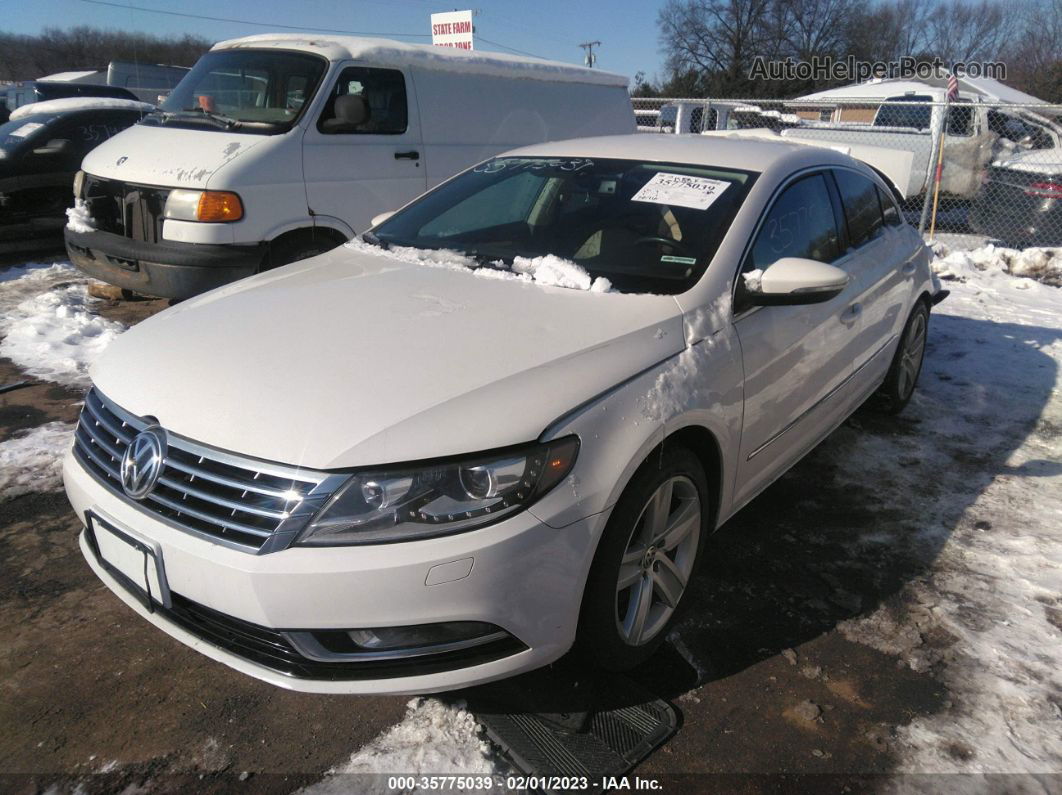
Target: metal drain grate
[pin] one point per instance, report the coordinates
(607, 738)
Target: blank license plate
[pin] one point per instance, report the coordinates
(134, 562)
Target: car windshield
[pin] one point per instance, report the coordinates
(17, 133)
(646, 227)
(256, 91)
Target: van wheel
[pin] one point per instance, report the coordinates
(296, 247)
(644, 562)
(906, 365)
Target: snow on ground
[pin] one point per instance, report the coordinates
(32, 460)
(547, 271)
(49, 328)
(432, 738)
(989, 409)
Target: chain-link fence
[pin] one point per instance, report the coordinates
(969, 172)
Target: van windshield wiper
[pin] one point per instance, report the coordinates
(189, 114)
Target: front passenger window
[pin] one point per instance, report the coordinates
(800, 223)
(366, 100)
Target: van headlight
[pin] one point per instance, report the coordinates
(406, 503)
(209, 206)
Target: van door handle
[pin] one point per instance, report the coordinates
(413, 155)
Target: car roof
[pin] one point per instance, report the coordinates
(385, 52)
(720, 151)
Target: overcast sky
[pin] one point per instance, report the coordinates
(547, 28)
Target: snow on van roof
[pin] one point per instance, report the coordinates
(67, 104)
(397, 53)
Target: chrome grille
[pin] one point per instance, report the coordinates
(241, 502)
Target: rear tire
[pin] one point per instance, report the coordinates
(644, 562)
(900, 381)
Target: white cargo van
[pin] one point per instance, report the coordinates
(278, 147)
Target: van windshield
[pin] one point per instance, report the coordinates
(255, 91)
(646, 227)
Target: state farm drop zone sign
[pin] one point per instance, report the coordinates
(452, 29)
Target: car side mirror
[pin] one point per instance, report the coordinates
(56, 146)
(379, 219)
(793, 281)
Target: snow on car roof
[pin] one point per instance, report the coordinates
(733, 150)
(67, 77)
(398, 53)
(68, 104)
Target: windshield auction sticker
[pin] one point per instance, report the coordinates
(28, 128)
(681, 190)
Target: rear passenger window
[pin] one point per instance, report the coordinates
(862, 209)
(384, 93)
(800, 223)
(889, 209)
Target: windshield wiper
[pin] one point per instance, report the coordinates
(190, 114)
(373, 240)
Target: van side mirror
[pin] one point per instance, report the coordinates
(379, 219)
(56, 146)
(348, 113)
(793, 281)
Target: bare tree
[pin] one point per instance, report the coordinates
(719, 38)
(970, 31)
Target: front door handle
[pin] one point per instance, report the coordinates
(851, 313)
(413, 155)
(909, 268)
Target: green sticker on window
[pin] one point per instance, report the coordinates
(680, 260)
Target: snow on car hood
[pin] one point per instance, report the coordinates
(353, 359)
(169, 156)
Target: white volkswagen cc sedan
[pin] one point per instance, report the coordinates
(504, 421)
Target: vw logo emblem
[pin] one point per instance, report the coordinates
(142, 462)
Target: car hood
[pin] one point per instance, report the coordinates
(353, 359)
(168, 156)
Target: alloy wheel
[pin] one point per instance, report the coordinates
(658, 560)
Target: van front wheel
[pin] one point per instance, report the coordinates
(297, 247)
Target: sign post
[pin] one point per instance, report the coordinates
(452, 29)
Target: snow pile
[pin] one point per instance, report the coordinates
(78, 218)
(547, 271)
(32, 461)
(552, 270)
(67, 104)
(1042, 264)
(752, 279)
(432, 738)
(986, 616)
(49, 328)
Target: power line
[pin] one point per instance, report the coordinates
(506, 47)
(259, 24)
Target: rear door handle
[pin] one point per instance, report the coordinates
(413, 155)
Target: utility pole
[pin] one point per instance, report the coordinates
(590, 59)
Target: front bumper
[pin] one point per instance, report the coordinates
(526, 578)
(166, 269)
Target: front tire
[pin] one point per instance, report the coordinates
(644, 562)
(900, 381)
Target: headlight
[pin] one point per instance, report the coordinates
(79, 184)
(406, 503)
(215, 206)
